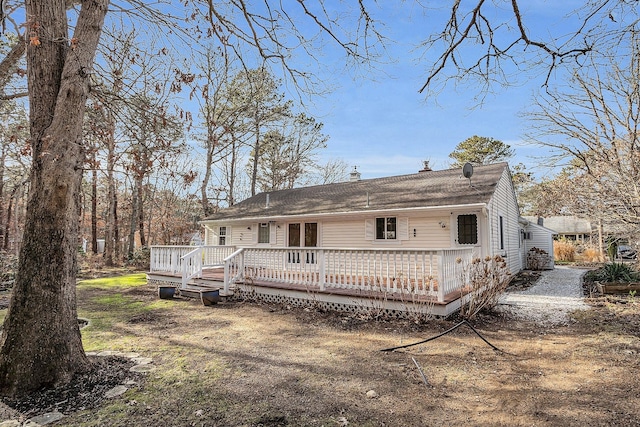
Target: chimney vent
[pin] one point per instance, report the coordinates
(354, 175)
(426, 167)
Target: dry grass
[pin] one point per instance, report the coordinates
(246, 364)
(564, 250)
(591, 254)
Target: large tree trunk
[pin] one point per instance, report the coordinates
(41, 344)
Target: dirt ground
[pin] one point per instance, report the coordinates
(247, 364)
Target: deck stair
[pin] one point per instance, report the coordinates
(208, 294)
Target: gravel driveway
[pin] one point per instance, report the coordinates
(557, 293)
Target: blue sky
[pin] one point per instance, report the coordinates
(382, 125)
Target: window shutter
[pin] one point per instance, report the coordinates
(369, 229)
(403, 228)
(254, 232)
(272, 234)
(229, 242)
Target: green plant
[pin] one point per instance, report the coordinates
(141, 258)
(617, 272)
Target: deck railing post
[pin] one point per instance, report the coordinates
(441, 276)
(321, 269)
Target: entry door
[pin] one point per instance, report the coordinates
(311, 234)
(294, 235)
(310, 241)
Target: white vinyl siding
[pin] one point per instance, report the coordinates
(503, 204)
(541, 238)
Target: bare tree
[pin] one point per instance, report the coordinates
(593, 125)
(334, 170)
(289, 151)
(221, 121)
(41, 343)
(488, 44)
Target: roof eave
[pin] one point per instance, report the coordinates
(266, 218)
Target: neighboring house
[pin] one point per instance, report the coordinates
(567, 227)
(398, 243)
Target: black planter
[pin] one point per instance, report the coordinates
(166, 292)
(210, 297)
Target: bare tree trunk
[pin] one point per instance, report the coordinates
(7, 225)
(41, 344)
(206, 204)
(143, 241)
(116, 228)
(256, 159)
(94, 210)
(232, 175)
(601, 240)
(132, 222)
(3, 156)
(110, 241)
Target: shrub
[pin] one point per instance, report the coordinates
(564, 250)
(141, 259)
(617, 272)
(485, 280)
(591, 255)
(537, 259)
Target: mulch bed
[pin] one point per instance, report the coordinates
(85, 391)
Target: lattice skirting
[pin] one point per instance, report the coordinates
(370, 307)
(154, 283)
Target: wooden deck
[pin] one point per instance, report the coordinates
(214, 278)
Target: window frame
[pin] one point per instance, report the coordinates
(261, 235)
(222, 235)
(383, 233)
(467, 229)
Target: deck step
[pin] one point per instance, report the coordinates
(208, 295)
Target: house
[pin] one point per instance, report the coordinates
(398, 243)
(537, 236)
(567, 227)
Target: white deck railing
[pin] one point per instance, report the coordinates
(170, 258)
(436, 272)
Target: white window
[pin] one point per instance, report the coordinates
(222, 236)
(386, 228)
(263, 232)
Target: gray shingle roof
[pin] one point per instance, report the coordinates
(566, 224)
(423, 189)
